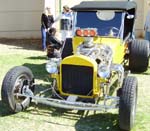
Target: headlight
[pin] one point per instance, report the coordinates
(51, 67)
(104, 72)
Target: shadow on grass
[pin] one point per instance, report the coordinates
(37, 58)
(92, 122)
(98, 122)
(29, 44)
(89, 122)
(4, 111)
(83, 122)
(38, 70)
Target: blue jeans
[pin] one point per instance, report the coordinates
(147, 36)
(43, 33)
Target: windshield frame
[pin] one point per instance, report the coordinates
(82, 19)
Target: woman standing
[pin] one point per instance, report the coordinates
(47, 20)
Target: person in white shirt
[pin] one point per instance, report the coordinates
(66, 18)
(147, 25)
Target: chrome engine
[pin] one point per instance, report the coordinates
(103, 55)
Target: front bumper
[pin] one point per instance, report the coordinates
(75, 105)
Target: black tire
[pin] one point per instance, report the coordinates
(139, 55)
(127, 104)
(13, 82)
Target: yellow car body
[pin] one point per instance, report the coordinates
(117, 46)
(91, 67)
(80, 60)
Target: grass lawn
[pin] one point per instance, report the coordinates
(45, 118)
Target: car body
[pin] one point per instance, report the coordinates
(92, 73)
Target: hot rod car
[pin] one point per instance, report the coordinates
(93, 72)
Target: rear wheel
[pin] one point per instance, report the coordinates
(139, 55)
(127, 105)
(18, 80)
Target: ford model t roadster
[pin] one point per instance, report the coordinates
(92, 73)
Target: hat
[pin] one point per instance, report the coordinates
(66, 7)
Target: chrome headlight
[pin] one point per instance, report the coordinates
(104, 72)
(51, 67)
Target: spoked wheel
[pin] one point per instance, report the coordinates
(127, 105)
(17, 87)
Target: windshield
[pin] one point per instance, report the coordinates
(110, 26)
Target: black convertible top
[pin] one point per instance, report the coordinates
(105, 5)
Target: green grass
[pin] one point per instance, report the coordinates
(45, 118)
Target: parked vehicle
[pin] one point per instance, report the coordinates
(92, 73)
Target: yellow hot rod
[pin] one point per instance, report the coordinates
(92, 72)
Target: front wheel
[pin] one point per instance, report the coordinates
(127, 105)
(18, 80)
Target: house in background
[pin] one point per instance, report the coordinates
(22, 18)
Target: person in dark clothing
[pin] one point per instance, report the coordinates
(53, 44)
(47, 20)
